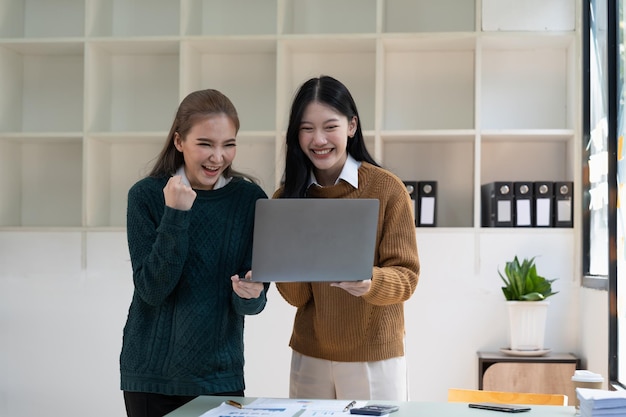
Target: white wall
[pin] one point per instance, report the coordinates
(60, 324)
(64, 298)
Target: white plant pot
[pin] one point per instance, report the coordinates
(527, 324)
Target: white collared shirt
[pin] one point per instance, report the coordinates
(221, 181)
(349, 173)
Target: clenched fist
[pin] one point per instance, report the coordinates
(178, 195)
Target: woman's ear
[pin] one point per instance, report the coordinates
(178, 142)
(352, 126)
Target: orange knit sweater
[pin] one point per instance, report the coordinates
(334, 325)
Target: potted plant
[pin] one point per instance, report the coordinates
(526, 293)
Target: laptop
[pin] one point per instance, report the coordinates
(314, 239)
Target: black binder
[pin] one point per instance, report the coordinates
(544, 203)
(411, 188)
(563, 204)
(523, 193)
(497, 204)
(427, 203)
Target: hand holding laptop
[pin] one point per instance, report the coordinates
(356, 288)
(245, 288)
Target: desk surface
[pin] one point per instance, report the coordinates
(553, 357)
(201, 405)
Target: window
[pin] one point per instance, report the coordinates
(617, 280)
(604, 176)
(596, 152)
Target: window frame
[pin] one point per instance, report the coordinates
(613, 110)
(599, 282)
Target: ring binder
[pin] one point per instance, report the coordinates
(411, 188)
(543, 203)
(563, 207)
(427, 203)
(497, 204)
(523, 193)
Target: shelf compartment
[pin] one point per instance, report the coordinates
(329, 16)
(123, 18)
(42, 86)
(445, 158)
(116, 162)
(429, 83)
(527, 156)
(41, 180)
(429, 16)
(525, 82)
(256, 153)
(226, 17)
(236, 67)
(528, 15)
(350, 60)
(39, 19)
(131, 85)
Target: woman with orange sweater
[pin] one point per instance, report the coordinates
(348, 337)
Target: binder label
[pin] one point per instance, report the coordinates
(504, 211)
(544, 212)
(523, 213)
(427, 210)
(564, 210)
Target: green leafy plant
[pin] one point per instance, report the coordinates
(522, 283)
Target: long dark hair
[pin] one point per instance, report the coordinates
(194, 107)
(331, 92)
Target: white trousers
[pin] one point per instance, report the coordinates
(323, 379)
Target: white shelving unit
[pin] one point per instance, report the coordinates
(463, 98)
(463, 92)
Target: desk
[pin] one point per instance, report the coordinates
(201, 405)
(549, 374)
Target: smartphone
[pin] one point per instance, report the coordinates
(375, 409)
(506, 408)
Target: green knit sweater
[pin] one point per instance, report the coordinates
(184, 331)
(334, 325)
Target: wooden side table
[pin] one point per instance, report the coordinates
(548, 374)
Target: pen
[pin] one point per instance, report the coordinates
(234, 403)
(349, 406)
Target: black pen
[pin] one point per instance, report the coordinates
(349, 406)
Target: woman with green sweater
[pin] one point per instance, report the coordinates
(348, 337)
(189, 226)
